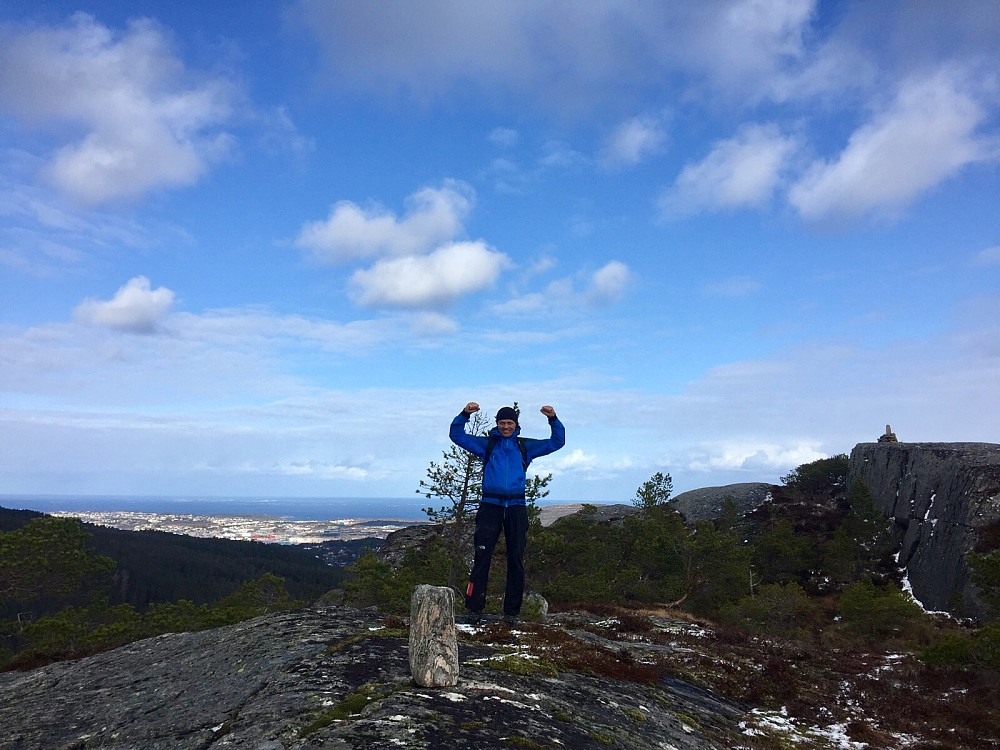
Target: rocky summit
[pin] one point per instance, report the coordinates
(336, 677)
(707, 503)
(944, 499)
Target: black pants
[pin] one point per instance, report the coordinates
(491, 519)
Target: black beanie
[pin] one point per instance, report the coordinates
(507, 412)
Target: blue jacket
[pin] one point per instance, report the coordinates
(504, 475)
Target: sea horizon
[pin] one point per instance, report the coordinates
(294, 508)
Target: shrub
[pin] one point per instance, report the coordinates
(877, 612)
(775, 610)
(825, 475)
(978, 650)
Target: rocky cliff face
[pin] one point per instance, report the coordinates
(944, 499)
(335, 677)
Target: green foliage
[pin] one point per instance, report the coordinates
(722, 565)
(964, 650)
(155, 566)
(862, 543)
(652, 557)
(518, 664)
(48, 557)
(984, 570)
(658, 564)
(782, 555)
(377, 583)
(654, 491)
(824, 475)
(79, 631)
(253, 599)
(776, 610)
(873, 612)
(576, 560)
(73, 631)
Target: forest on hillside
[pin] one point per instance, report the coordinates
(68, 589)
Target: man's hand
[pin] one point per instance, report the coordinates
(470, 407)
(548, 411)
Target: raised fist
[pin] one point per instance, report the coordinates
(471, 407)
(548, 411)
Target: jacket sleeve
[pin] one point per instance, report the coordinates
(473, 443)
(536, 448)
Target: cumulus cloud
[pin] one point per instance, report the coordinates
(433, 280)
(754, 456)
(614, 49)
(633, 141)
(925, 136)
(144, 121)
(740, 172)
(136, 308)
(433, 216)
(609, 282)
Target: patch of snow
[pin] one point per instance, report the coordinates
(516, 704)
(908, 590)
(220, 726)
(454, 697)
(779, 721)
(837, 734)
(929, 507)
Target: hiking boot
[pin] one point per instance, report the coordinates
(474, 618)
(510, 620)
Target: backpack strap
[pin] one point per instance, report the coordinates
(491, 443)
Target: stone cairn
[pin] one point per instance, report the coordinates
(433, 643)
(889, 436)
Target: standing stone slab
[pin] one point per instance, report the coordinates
(433, 643)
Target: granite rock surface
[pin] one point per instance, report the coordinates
(334, 677)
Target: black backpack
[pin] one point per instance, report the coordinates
(491, 443)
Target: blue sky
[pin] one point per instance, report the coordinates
(269, 248)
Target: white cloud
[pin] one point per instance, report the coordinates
(632, 141)
(576, 460)
(146, 122)
(925, 136)
(609, 282)
(734, 286)
(505, 137)
(560, 155)
(613, 49)
(740, 172)
(433, 280)
(754, 456)
(433, 216)
(431, 323)
(135, 308)
(988, 257)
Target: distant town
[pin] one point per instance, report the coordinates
(256, 528)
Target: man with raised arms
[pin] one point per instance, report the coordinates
(505, 462)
